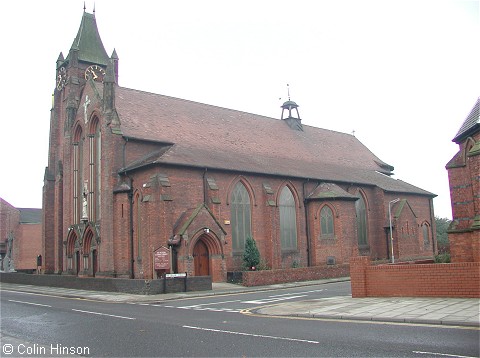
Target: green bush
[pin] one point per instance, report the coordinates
(262, 265)
(251, 255)
(442, 258)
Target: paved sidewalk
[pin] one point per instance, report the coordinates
(440, 311)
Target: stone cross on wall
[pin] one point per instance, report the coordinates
(85, 105)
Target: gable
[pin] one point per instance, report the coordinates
(196, 219)
(403, 210)
(470, 125)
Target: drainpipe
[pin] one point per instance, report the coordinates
(432, 229)
(130, 200)
(307, 225)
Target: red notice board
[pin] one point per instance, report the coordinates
(161, 259)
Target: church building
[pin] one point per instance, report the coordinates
(464, 178)
(139, 184)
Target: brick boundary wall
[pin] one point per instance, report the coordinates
(134, 286)
(271, 277)
(461, 279)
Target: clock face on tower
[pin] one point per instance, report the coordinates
(95, 72)
(61, 78)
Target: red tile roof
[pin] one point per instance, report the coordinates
(213, 137)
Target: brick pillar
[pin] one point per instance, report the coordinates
(476, 245)
(358, 279)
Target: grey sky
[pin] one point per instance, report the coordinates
(402, 74)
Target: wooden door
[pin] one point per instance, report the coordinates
(201, 259)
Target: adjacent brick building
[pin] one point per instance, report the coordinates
(461, 278)
(20, 228)
(464, 177)
(132, 173)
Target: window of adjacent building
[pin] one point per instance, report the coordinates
(240, 216)
(326, 222)
(425, 232)
(361, 212)
(288, 220)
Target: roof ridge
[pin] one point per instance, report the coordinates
(202, 103)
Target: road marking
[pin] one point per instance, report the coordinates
(250, 334)
(30, 303)
(297, 293)
(198, 308)
(270, 300)
(209, 304)
(102, 314)
(442, 354)
(61, 297)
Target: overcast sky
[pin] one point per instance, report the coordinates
(403, 75)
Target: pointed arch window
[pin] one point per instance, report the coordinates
(361, 211)
(288, 220)
(326, 222)
(426, 234)
(240, 216)
(95, 149)
(77, 174)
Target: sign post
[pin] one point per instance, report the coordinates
(161, 260)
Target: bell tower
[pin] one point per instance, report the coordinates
(86, 61)
(289, 109)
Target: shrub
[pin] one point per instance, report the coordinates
(442, 258)
(251, 255)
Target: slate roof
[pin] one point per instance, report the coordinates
(471, 123)
(30, 216)
(207, 136)
(88, 42)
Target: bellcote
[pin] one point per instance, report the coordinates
(291, 116)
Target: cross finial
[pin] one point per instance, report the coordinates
(84, 7)
(288, 91)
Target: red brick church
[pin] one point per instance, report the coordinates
(131, 173)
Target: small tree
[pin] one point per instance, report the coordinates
(251, 255)
(442, 235)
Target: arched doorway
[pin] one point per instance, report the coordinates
(201, 259)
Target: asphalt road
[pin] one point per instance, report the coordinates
(212, 326)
